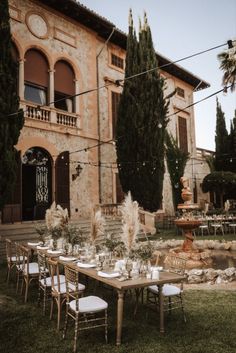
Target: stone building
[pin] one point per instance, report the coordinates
(64, 52)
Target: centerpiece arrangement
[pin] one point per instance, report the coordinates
(58, 232)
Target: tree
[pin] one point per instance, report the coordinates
(222, 183)
(221, 140)
(141, 122)
(176, 162)
(10, 125)
(232, 144)
(228, 66)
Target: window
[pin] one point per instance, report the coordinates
(183, 138)
(64, 86)
(117, 61)
(180, 92)
(115, 99)
(35, 94)
(36, 80)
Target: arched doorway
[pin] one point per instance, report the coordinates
(36, 183)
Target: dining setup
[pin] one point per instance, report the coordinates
(64, 263)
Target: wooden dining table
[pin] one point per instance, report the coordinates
(122, 286)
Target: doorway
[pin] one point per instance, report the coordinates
(36, 183)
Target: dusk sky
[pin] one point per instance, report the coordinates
(181, 28)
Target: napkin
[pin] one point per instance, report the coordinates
(54, 251)
(68, 258)
(81, 264)
(34, 244)
(42, 247)
(108, 275)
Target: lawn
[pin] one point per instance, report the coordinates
(210, 327)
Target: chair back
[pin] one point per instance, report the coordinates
(72, 285)
(25, 257)
(10, 251)
(54, 272)
(43, 268)
(175, 264)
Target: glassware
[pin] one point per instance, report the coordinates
(129, 267)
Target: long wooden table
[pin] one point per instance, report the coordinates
(122, 286)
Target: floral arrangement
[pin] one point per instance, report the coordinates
(144, 252)
(73, 234)
(130, 219)
(43, 232)
(97, 224)
(114, 245)
(56, 217)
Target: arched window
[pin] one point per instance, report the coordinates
(36, 77)
(64, 86)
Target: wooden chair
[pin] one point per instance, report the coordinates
(30, 270)
(173, 298)
(87, 312)
(45, 280)
(217, 226)
(19, 260)
(58, 289)
(11, 257)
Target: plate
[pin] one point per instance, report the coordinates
(68, 258)
(34, 244)
(54, 251)
(108, 275)
(42, 247)
(84, 265)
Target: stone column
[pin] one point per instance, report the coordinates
(51, 88)
(21, 84)
(76, 99)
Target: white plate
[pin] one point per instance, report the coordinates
(54, 251)
(68, 258)
(42, 247)
(108, 275)
(84, 265)
(34, 244)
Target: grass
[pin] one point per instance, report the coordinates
(210, 327)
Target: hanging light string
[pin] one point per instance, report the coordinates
(117, 82)
(142, 127)
(113, 165)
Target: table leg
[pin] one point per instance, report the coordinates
(120, 305)
(161, 308)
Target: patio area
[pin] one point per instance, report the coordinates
(23, 328)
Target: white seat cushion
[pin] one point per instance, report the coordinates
(90, 304)
(13, 258)
(48, 280)
(63, 287)
(33, 268)
(167, 290)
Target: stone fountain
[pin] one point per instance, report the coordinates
(187, 223)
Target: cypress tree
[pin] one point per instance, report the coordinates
(142, 122)
(221, 141)
(176, 163)
(232, 141)
(10, 125)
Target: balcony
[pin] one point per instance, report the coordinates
(51, 115)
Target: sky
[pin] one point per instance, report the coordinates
(181, 28)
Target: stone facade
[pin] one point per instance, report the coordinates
(62, 37)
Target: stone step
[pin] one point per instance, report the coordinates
(26, 231)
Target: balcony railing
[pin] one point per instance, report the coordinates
(51, 115)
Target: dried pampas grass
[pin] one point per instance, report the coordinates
(97, 224)
(130, 219)
(56, 217)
